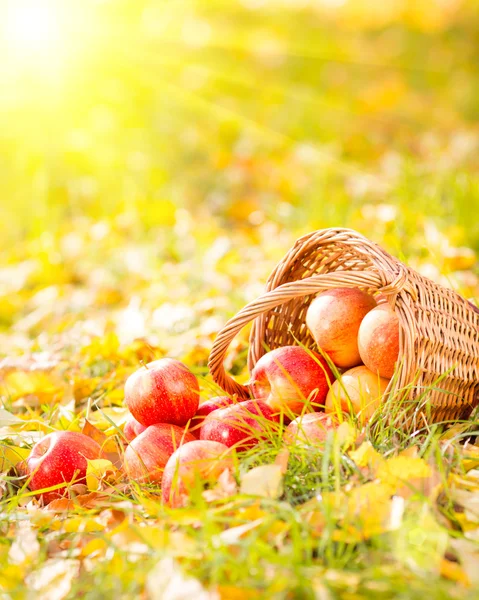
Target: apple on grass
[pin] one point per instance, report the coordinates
(289, 377)
(378, 340)
(132, 428)
(191, 467)
(60, 458)
(240, 425)
(146, 456)
(358, 390)
(163, 391)
(310, 428)
(334, 318)
(205, 409)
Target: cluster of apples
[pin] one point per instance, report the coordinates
(176, 442)
(361, 337)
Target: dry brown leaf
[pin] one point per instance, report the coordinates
(282, 460)
(91, 500)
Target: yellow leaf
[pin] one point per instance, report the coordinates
(81, 524)
(454, 572)
(97, 546)
(403, 474)
(346, 434)
(98, 470)
(366, 456)
(11, 455)
(36, 386)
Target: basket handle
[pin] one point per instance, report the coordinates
(370, 279)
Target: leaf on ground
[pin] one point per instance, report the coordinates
(468, 554)
(282, 460)
(53, 580)
(225, 488)
(7, 419)
(366, 456)
(25, 547)
(10, 456)
(453, 571)
(234, 534)
(94, 433)
(166, 581)
(32, 382)
(265, 481)
(109, 445)
(99, 472)
(406, 475)
(91, 500)
(470, 458)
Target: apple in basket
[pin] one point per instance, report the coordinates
(333, 318)
(240, 425)
(378, 340)
(359, 391)
(289, 377)
(146, 456)
(163, 391)
(58, 459)
(191, 467)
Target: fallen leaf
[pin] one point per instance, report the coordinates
(99, 471)
(234, 534)
(7, 419)
(225, 488)
(10, 456)
(406, 476)
(92, 432)
(166, 581)
(366, 456)
(265, 481)
(453, 571)
(53, 580)
(282, 460)
(25, 547)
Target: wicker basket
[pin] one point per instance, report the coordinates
(439, 339)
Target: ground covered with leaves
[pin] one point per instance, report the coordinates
(149, 186)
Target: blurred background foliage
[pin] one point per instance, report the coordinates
(158, 157)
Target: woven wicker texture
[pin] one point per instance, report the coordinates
(439, 337)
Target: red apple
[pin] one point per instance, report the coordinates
(286, 378)
(240, 425)
(310, 428)
(164, 391)
(194, 464)
(334, 317)
(60, 458)
(359, 390)
(132, 428)
(378, 340)
(147, 455)
(205, 409)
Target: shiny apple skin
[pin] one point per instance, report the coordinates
(60, 457)
(163, 391)
(193, 464)
(288, 377)
(240, 426)
(146, 456)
